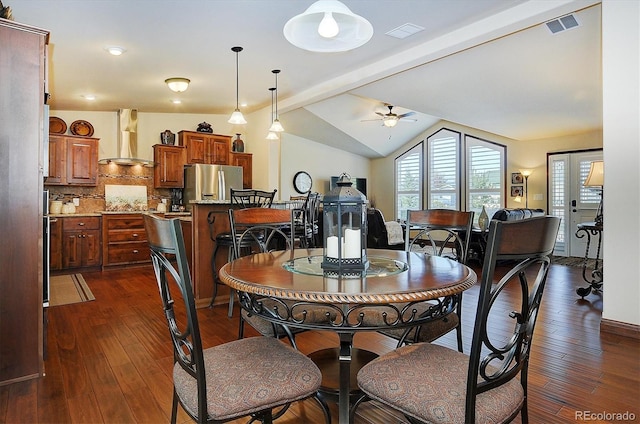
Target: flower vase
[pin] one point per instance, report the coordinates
(483, 219)
(238, 144)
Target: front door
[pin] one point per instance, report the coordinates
(570, 200)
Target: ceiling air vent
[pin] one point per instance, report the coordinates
(403, 31)
(561, 24)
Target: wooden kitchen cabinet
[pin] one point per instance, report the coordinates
(73, 160)
(81, 245)
(169, 161)
(125, 240)
(245, 160)
(55, 244)
(205, 147)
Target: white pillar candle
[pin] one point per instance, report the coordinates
(332, 246)
(352, 243)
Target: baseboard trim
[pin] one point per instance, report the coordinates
(620, 328)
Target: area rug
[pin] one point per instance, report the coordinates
(67, 289)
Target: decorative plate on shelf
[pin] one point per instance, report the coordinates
(57, 125)
(82, 128)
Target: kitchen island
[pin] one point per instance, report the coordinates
(202, 243)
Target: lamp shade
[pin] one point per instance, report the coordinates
(177, 84)
(276, 126)
(328, 26)
(596, 175)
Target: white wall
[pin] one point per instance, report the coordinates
(621, 133)
(320, 161)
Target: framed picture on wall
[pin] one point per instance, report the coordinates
(516, 178)
(517, 191)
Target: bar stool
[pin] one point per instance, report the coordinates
(242, 199)
(222, 240)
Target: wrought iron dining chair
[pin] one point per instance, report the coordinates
(206, 382)
(441, 232)
(306, 219)
(432, 383)
(244, 198)
(267, 230)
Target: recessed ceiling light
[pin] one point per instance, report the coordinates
(176, 101)
(115, 50)
(89, 96)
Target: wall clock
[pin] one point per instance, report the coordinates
(302, 182)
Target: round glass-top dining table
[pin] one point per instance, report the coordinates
(384, 296)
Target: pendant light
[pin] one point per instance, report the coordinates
(272, 134)
(276, 125)
(328, 26)
(236, 116)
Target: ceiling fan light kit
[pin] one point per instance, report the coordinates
(236, 117)
(390, 119)
(328, 26)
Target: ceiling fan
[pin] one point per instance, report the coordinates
(391, 119)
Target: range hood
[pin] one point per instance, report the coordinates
(127, 140)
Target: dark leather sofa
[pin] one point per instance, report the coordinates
(478, 240)
(516, 214)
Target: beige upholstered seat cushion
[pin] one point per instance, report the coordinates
(428, 382)
(249, 375)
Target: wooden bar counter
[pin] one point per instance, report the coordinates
(203, 246)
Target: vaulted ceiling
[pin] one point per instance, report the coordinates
(491, 64)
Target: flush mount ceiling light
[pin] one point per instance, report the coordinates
(236, 117)
(328, 26)
(177, 84)
(276, 126)
(115, 50)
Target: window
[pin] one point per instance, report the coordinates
(485, 176)
(443, 166)
(409, 181)
(461, 174)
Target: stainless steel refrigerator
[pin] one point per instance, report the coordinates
(210, 182)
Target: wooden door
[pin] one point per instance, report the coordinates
(245, 160)
(71, 249)
(195, 144)
(55, 244)
(56, 160)
(169, 169)
(219, 150)
(91, 249)
(82, 161)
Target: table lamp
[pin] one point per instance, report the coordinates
(596, 179)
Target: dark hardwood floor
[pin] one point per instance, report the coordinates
(110, 361)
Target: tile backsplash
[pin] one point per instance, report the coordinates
(92, 199)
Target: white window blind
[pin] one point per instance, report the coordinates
(558, 197)
(485, 176)
(409, 181)
(443, 166)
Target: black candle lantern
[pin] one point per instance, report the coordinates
(345, 230)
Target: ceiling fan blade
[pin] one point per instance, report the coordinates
(404, 115)
(369, 120)
(380, 114)
(408, 120)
